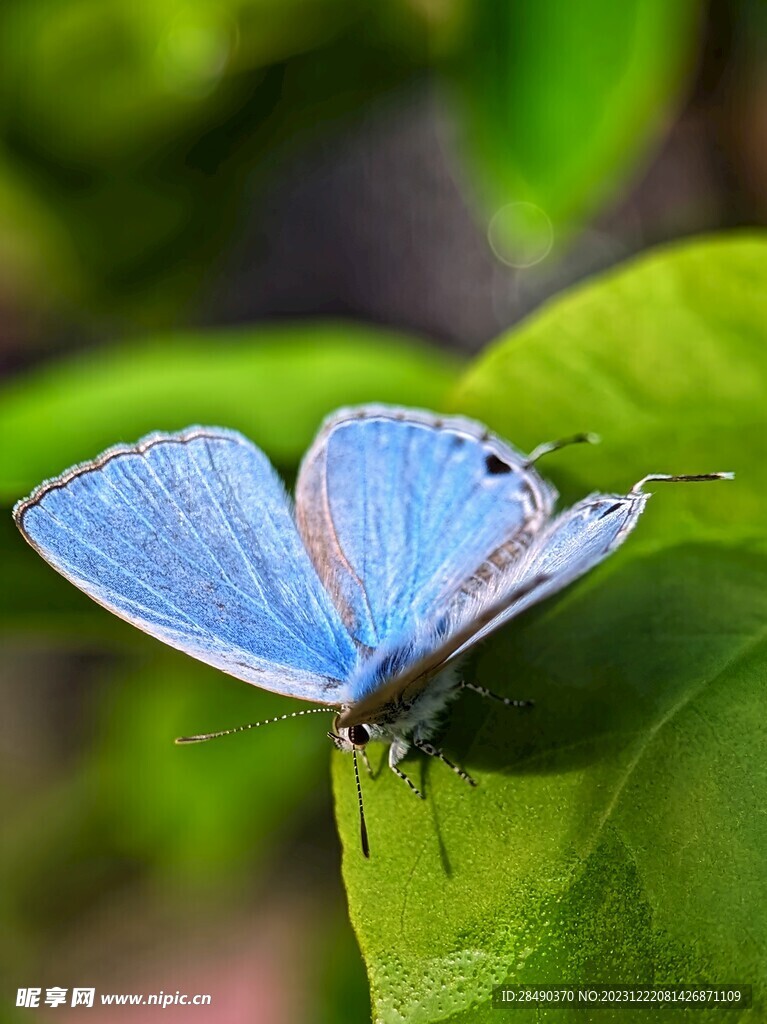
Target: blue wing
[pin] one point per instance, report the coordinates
(397, 507)
(569, 546)
(190, 537)
(565, 549)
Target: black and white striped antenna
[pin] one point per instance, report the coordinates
(202, 737)
(363, 826)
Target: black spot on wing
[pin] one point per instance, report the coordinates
(611, 509)
(496, 466)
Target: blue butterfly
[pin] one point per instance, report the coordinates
(413, 537)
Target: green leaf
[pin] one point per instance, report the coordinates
(556, 111)
(273, 383)
(617, 833)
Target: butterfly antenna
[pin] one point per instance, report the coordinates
(254, 725)
(363, 826)
(684, 478)
(565, 442)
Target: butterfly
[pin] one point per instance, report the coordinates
(412, 538)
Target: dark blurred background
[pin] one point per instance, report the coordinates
(437, 168)
(196, 163)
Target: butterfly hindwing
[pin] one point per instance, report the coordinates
(567, 547)
(397, 507)
(191, 538)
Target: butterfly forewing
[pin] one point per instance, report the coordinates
(190, 537)
(398, 508)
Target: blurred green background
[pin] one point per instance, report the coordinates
(249, 212)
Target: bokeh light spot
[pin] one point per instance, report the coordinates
(520, 234)
(194, 56)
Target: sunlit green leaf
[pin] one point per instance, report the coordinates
(617, 832)
(273, 383)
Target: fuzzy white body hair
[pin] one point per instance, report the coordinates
(416, 721)
(423, 717)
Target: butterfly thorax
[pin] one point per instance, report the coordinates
(411, 713)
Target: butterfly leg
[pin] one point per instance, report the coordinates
(427, 748)
(397, 751)
(366, 762)
(484, 692)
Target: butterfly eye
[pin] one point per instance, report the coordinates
(358, 735)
